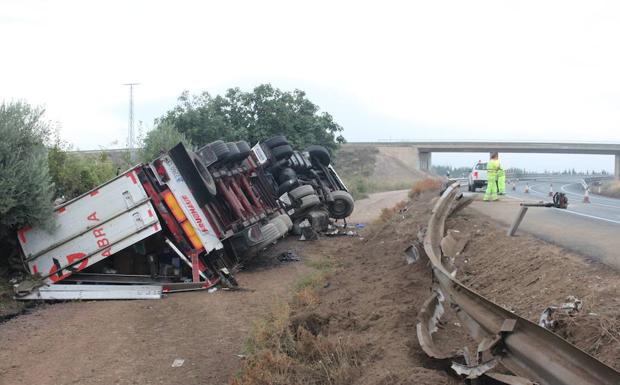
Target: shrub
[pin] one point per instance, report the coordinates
(26, 189)
(74, 174)
(388, 213)
(423, 185)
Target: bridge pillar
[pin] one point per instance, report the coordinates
(617, 167)
(424, 161)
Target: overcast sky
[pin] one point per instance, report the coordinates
(445, 70)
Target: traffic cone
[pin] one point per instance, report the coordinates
(514, 186)
(527, 188)
(586, 196)
(551, 190)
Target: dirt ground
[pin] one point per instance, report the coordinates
(372, 298)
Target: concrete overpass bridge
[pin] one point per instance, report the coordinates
(424, 150)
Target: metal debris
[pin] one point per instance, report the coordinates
(474, 371)
(412, 253)
(289, 256)
(569, 308)
(454, 243)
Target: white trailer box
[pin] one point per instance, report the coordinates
(90, 228)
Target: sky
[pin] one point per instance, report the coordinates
(410, 70)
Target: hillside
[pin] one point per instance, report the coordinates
(371, 168)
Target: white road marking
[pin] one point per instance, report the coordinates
(579, 195)
(575, 212)
(589, 216)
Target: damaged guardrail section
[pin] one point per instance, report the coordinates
(532, 353)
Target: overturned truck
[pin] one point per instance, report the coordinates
(185, 221)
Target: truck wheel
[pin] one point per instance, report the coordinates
(244, 148)
(287, 221)
(275, 141)
(233, 152)
(282, 152)
(206, 176)
(309, 201)
(342, 206)
(280, 224)
(287, 186)
(320, 154)
(470, 188)
(220, 149)
(301, 191)
(270, 234)
(286, 174)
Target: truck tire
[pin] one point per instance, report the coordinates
(287, 186)
(275, 141)
(270, 234)
(286, 174)
(287, 221)
(220, 148)
(233, 152)
(320, 154)
(301, 191)
(244, 148)
(205, 175)
(282, 152)
(308, 202)
(342, 205)
(280, 224)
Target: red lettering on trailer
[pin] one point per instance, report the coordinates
(35, 270)
(150, 212)
(62, 210)
(21, 233)
(103, 242)
(93, 217)
(94, 192)
(195, 214)
(98, 232)
(56, 270)
(107, 252)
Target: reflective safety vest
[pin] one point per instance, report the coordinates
(492, 167)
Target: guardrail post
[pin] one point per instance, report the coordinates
(517, 222)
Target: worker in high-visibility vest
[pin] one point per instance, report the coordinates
(501, 181)
(492, 167)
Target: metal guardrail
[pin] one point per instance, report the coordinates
(521, 346)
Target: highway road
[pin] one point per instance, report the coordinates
(592, 229)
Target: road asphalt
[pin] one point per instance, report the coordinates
(591, 229)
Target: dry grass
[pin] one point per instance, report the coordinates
(290, 346)
(423, 185)
(611, 189)
(388, 213)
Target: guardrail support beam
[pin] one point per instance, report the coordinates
(617, 167)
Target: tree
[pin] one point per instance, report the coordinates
(254, 116)
(162, 138)
(73, 173)
(26, 188)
